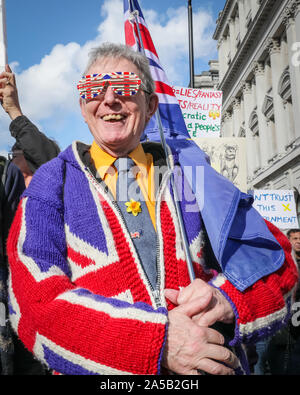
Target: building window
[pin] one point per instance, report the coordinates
(242, 131)
(253, 125)
(284, 86)
(268, 107)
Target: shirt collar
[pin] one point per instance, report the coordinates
(103, 161)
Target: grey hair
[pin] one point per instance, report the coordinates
(112, 50)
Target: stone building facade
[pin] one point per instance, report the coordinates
(208, 79)
(259, 74)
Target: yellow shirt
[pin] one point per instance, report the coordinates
(145, 177)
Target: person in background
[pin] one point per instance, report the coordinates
(32, 148)
(294, 326)
(294, 238)
(280, 354)
(11, 188)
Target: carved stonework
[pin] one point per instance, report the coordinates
(236, 103)
(273, 45)
(289, 13)
(258, 68)
(220, 42)
(268, 107)
(246, 87)
(226, 117)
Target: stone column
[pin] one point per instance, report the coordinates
(220, 49)
(226, 125)
(259, 71)
(276, 71)
(290, 121)
(242, 19)
(236, 108)
(232, 37)
(272, 140)
(254, 8)
(248, 106)
(297, 19)
(293, 46)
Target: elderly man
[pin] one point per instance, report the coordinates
(98, 276)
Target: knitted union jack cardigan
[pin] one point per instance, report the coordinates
(79, 297)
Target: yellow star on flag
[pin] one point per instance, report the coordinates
(133, 207)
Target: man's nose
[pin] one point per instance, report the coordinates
(109, 95)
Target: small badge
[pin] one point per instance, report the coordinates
(133, 207)
(135, 235)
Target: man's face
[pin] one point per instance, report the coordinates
(295, 241)
(117, 122)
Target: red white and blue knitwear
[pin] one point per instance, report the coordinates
(79, 297)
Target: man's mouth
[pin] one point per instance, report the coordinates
(113, 117)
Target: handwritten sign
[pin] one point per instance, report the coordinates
(277, 207)
(3, 53)
(201, 110)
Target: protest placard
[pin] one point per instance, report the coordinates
(277, 206)
(228, 157)
(201, 110)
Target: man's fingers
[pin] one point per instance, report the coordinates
(8, 69)
(213, 336)
(172, 295)
(219, 354)
(212, 367)
(195, 306)
(197, 288)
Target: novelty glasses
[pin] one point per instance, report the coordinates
(123, 83)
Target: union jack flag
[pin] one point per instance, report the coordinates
(123, 83)
(169, 109)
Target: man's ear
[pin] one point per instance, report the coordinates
(152, 105)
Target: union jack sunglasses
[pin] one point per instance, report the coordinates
(124, 83)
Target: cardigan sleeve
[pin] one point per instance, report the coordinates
(36, 146)
(71, 329)
(265, 307)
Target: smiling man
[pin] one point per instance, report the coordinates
(98, 276)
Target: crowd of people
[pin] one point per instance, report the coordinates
(94, 276)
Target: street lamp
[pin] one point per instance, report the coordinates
(191, 45)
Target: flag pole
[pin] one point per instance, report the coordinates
(191, 44)
(3, 43)
(134, 15)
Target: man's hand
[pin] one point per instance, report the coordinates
(191, 349)
(9, 94)
(203, 303)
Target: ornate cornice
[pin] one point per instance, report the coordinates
(258, 68)
(236, 103)
(290, 12)
(246, 87)
(268, 10)
(273, 45)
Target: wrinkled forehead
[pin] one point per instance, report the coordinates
(108, 65)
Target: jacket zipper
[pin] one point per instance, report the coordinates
(155, 292)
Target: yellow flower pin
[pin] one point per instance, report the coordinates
(133, 207)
